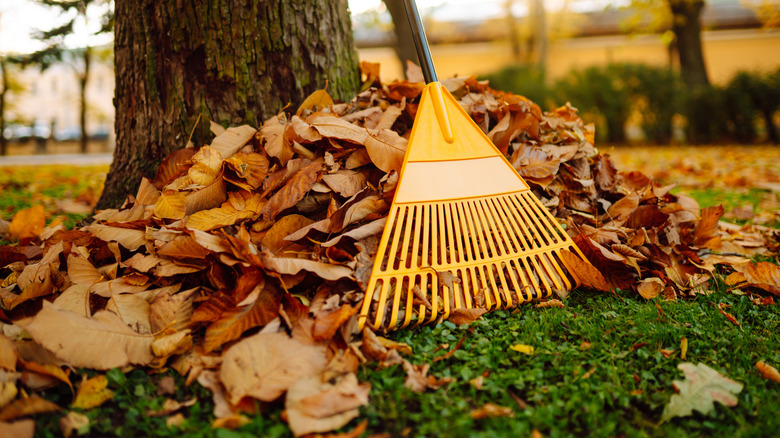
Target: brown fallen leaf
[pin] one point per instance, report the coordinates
(72, 422)
(111, 343)
(18, 429)
(25, 406)
(491, 410)
(584, 272)
(763, 275)
(768, 371)
(314, 406)
(265, 365)
(650, 288)
(465, 316)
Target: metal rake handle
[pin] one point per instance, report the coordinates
(420, 41)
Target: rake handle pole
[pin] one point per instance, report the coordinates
(420, 41)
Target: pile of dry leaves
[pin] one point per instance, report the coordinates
(242, 264)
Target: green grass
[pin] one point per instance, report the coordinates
(25, 186)
(625, 395)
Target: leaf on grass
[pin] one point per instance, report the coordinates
(265, 365)
(583, 272)
(26, 406)
(101, 342)
(28, 223)
(170, 205)
(701, 388)
(763, 275)
(768, 371)
(314, 406)
(491, 410)
(650, 288)
(93, 393)
(465, 316)
(522, 348)
(72, 422)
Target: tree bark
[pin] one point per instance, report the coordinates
(83, 78)
(404, 41)
(230, 61)
(3, 92)
(686, 25)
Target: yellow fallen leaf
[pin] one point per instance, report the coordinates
(768, 371)
(683, 348)
(522, 348)
(170, 205)
(28, 223)
(93, 393)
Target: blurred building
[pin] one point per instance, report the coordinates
(50, 100)
(733, 40)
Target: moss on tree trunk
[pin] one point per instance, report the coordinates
(230, 61)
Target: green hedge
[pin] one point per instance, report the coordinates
(742, 111)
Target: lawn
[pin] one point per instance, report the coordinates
(603, 365)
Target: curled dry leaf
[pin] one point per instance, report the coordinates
(650, 288)
(232, 139)
(265, 365)
(315, 406)
(763, 275)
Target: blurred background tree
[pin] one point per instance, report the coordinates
(77, 16)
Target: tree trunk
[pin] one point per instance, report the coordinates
(83, 78)
(686, 25)
(404, 42)
(540, 34)
(3, 92)
(230, 61)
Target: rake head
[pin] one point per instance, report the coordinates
(464, 229)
